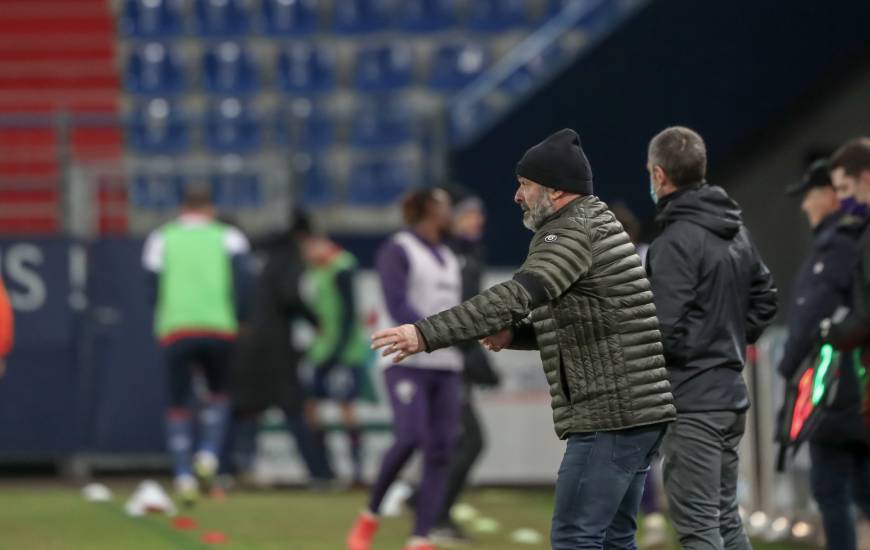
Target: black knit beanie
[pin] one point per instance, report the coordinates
(558, 162)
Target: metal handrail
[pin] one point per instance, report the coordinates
(523, 54)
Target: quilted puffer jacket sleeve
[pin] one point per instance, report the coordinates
(558, 256)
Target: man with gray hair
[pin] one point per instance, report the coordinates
(713, 296)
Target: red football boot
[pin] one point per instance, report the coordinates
(363, 531)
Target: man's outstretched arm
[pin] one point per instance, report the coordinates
(553, 265)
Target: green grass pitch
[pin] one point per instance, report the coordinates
(55, 517)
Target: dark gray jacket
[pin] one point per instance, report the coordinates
(581, 298)
(713, 295)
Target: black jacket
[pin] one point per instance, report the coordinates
(822, 285)
(713, 295)
(854, 330)
(264, 370)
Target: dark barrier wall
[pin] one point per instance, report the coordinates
(84, 373)
(727, 69)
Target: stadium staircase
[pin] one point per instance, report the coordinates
(57, 75)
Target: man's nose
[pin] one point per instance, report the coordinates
(518, 197)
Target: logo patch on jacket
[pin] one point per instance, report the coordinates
(550, 238)
(818, 268)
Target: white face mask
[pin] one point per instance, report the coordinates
(652, 191)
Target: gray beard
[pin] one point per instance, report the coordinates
(534, 217)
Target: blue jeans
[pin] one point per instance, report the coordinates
(600, 486)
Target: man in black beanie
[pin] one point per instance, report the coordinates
(582, 299)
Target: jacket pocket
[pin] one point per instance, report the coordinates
(563, 379)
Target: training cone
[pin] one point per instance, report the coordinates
(214, 537)
(150, 498)
(485, 526)
(526, 536)
(96, 492)
(184, 523)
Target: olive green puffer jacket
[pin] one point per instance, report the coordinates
(581, 298)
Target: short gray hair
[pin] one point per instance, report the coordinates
(681, 153)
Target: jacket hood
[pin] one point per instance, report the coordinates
(706, 205)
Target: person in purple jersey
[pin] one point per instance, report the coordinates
(419, 276)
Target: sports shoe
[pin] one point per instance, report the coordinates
(449, 534)
(363, 531)
(205, 466)
(187, 490)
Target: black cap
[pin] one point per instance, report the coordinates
(817, 175)
(558, 162)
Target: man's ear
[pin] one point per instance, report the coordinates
(659, 175)
(555, 194)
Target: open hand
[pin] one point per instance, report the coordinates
(402, 341)
(498, 341)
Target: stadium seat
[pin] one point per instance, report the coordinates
(304, 126)
(497, 15)
(151, 18)
(230, 127)
(156, 127)
(220, 18)
(236, 189)
(455, 65)
(311, 178)
(303, 68)
(153, 68)
(229, 69)
(428, 15)
(361, 16)
(383, 68)
(381, 124)
(157, 190)
(379, 182)
(289, 17)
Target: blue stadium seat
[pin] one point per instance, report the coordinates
(230, 127)
(157, 127)
(236, 189)
(289, 17)
(497, 15)
(382, 124)
(311, 178)
(380, 182)
(303, 68)
(153, 68)
(428, 15)
(455, 65)
(383, 68)
(361, 16)
(151, 18)
(157, 190)
(227, 68)
(220, 18)
(305, 126)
